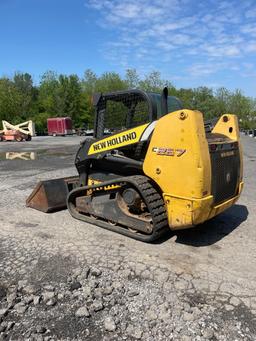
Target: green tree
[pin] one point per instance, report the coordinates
(242, 106)
(110, 81)
(154, 83)
(132, 79)
(86, 116)
(89, 82)
(185, 95)
(222, 96)
(67, 95)
(24, 84)
(204, 101)
(62, 95)
(238, 104)
(10, 101)
(48, 92)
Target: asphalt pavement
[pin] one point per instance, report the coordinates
(63, 279)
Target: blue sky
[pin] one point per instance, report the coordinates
(192, 43)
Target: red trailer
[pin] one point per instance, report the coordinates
(59, 126)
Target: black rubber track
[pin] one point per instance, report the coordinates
(148, 192)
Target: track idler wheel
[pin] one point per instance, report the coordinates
(132, 198)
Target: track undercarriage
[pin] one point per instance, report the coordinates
(130, 206)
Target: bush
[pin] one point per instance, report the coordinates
(41, 122)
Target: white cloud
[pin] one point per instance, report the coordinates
(249, 29)
(211, 36)
(208, 68)
(173, 25)
(222, 50)
(251, 47)
(250, 13)
(204, 69)
(248, 66)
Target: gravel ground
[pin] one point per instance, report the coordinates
(62, 279)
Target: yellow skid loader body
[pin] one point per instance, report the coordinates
(192, 176)
(178, 160)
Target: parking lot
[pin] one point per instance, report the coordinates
(64, 279)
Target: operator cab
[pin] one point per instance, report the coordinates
(130, 108)
(165, 105)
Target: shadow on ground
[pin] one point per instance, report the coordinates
(211, 231)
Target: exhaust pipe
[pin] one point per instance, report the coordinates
(164, 100)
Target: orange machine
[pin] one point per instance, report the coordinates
(19, 132)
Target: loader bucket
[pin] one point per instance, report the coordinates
(50, 195)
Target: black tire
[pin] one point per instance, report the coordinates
(18, 138)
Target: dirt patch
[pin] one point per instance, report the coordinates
(3, 292)
(2, 252)
(44, 235)
(196, 299)
(23, 224)
(55, 269)
(71, 327)
(241, 313)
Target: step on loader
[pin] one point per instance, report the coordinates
(161, 166)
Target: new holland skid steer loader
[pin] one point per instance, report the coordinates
(161, 166)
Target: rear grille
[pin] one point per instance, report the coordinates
(225, 174)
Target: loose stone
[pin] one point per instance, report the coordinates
(3, 312)
(108, 290)
(36, 300)
(51, 302)
(132, 293)
(47, 295)
(20, 308)
(41, 329)
(75, 286)
(96, 272)
(109, 324)
(208, 333)
(82, 312)
(29, 289)
(97, 306)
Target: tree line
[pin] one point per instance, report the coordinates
(68, 95)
